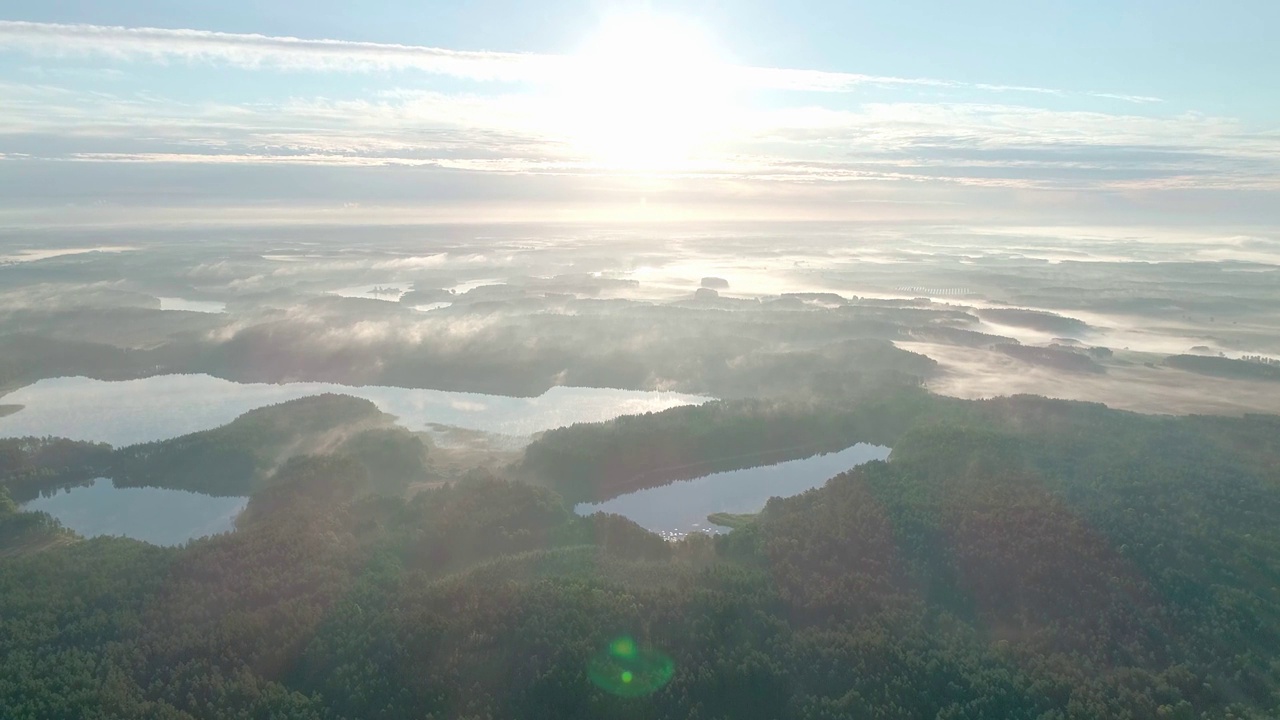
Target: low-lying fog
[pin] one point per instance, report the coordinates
(760, 311)
(1130, 384)
(166, 406)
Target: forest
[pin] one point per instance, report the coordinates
(518, 346)
(592, 462)
(1259, 369)
(235, 459)
(30, 465)
(1015, 558)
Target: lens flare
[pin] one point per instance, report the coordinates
(627, 669)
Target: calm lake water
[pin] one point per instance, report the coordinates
(682, 507)
(154, 515)
(166, 406)
(389, 292)
(203, 306)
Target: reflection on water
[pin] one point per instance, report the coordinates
(166, 406)
(682, 507)
(432, 306)
(203, 306)
(154, 515)
(48, 253)
(389, 292)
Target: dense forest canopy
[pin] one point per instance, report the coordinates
(591, 462)
(1015, 558)
(510, 348)
(235, 459)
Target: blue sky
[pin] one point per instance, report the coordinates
(1038, 112)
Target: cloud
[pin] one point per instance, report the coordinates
(253, 51)
(1138, 99)
(975, 144)
(65, 149)
(253, 159)
(256, 51)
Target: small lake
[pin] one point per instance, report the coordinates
(389, 292)
(166, 406)
(432, 306)
(154, 515)
(680, 508)
(200, 306)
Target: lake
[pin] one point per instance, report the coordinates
(432, 306)
(201, 306)
(165, 406)
(154, 515)
(390, 292)
(682, 507)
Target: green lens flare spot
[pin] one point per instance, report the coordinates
(628, 669)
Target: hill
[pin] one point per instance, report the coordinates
(236, 459)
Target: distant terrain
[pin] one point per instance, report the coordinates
(1035, 320)
(1032, 549)
(1225, 367)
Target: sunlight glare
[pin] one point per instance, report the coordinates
(646, 93)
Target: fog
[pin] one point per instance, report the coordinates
(975, 373)
(803, 311)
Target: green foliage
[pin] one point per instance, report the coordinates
(26, 532)
(236, 459)
(31, 465)
(591, 462)
(29, 357)
(1016, 558)
(392, 457)
(730, 520)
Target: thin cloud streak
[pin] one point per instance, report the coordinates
(967, 144)
(252, 51)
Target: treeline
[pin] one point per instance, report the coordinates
(1058, 358)
(237, 458)
(30, 357)
(591, 462)
(32, 465)
(513, 349)
(1035, 319)
(24, 532)
(234, 459)
(1225, 367)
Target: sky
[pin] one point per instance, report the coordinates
(1027, 111)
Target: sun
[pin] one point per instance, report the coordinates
(646, 93)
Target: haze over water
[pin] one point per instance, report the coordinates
(165, 406)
